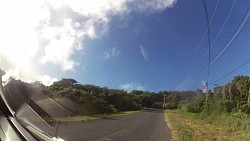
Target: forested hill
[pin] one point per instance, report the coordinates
(95, 100)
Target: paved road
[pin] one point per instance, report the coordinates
(148, 125)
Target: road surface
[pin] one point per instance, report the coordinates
(147, 125)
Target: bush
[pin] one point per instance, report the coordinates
(245, 108)
(96, 106)
(157, 105)
(226, 106)
(183, 106)
(239, 114)
(171, 106)
(196, 106)
(130, 106)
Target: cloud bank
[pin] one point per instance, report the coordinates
(51, 32)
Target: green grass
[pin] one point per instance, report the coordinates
(190, 127)
(180, 131)
(94, 117)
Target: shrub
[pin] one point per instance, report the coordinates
(157, 105)
(245, 108)
(183, 106)
(171, 106)
(239, 114)
(96, 106)
(196, 106)
(225, 106)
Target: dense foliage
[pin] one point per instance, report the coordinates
(96, 100)
(221, 114)
(232, 98)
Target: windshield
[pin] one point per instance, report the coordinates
(112, 69)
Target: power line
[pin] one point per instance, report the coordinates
(232, 71)
(234, 36)
(209, 40)
(199, 45)
(204, 34)
(208, 35)
(222, 27)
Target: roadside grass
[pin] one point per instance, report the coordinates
(94, 117)
(187, 126)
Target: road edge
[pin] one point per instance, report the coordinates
(172, 130)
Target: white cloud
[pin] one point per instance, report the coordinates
(112, 53)
(62, 45)
(152, 5)
(46, 80)
(143, 53)
(41, 31)
(132, 86)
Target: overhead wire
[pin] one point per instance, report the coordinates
(204, 34)
(222, 27)
(234, 36)
(231, 71)
(208, 35)
(231, 39)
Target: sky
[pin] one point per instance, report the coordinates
(125, 44)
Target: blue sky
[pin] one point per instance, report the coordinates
(146, 46)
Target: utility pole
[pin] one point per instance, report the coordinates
(207, 92)
(163, 105)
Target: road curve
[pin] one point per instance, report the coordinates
(147, 125)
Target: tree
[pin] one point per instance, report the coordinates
(136, 92)
(218, 92)
(243, 87)
(225, 92)
(233, 92)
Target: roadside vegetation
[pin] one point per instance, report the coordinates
(221, 115)
(95, 100)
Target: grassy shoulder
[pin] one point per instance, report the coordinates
(190, 127)
(94, 117)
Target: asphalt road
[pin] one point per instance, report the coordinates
(148, 125)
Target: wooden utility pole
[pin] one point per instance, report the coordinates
(163, 105)
(207, 92)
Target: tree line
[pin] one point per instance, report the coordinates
(99, 100)
(233, 97)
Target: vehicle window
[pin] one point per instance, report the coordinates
(125, 70)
